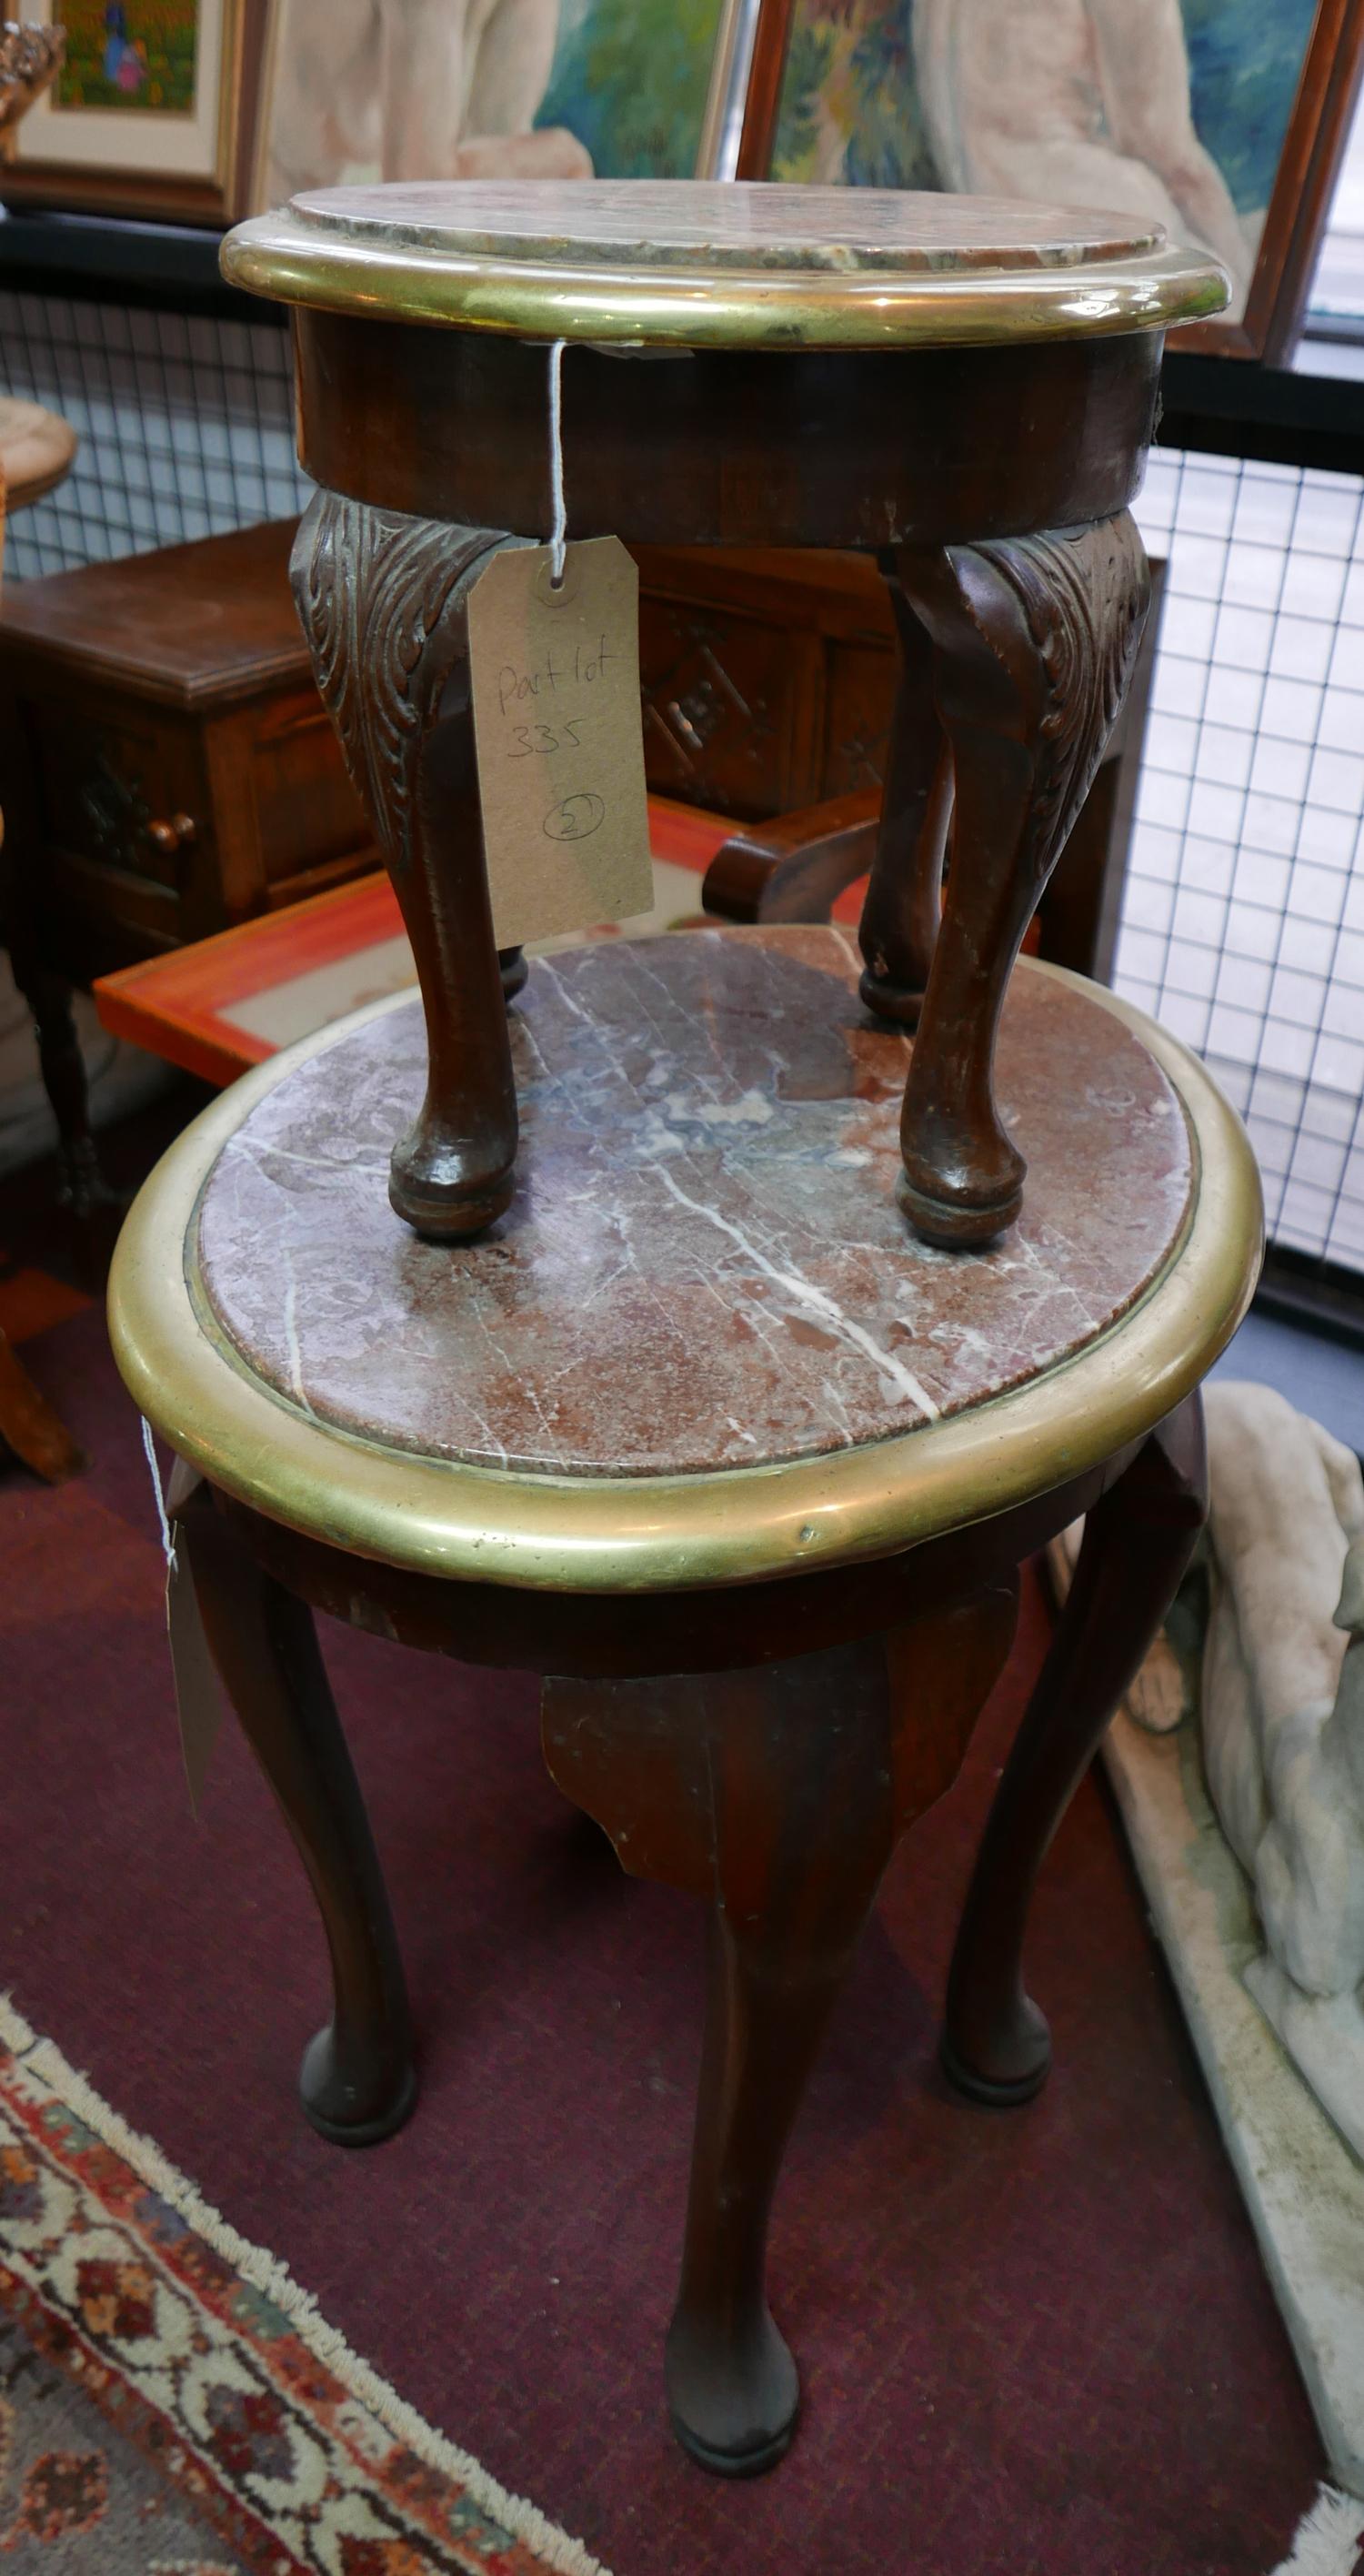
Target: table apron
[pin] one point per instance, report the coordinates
(859, 449)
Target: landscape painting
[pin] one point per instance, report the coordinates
(129, 54)
(153, 114)
(1172, 109)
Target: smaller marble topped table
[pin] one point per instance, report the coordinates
(964, 387)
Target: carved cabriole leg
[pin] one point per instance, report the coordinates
(1137, 1544)
(1034, 641)
(384, 604)
(357, 2081)
(899, 928)
(779, 1793)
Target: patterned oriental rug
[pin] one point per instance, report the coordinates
(172, 2401)
(164, 2386)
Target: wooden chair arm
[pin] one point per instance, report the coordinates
(795, 867)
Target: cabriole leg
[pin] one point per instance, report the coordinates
(1137, 1544)
(779, 1794)
(384, 604)
(1034, 640)
(899, 927)
(357, 2081)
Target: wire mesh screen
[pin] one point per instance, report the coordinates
(186, 427)
(1243, 923)
(1243, 919)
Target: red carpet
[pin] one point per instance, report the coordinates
(1038, 2343)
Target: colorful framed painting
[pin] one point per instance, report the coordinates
(360, 90)
(1223, 119)
(153, 112)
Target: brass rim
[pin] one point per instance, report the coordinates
(783, 310)
(630, 1534)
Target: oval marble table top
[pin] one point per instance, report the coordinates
(714, 224)
(693, 263)
(705, 1264)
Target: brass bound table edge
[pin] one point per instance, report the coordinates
(277, 256)
(659, 1534)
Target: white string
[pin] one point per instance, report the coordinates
(558, 535)
(167, 1541)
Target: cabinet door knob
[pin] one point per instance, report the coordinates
(178, 834)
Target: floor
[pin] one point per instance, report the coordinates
(1040, 2342)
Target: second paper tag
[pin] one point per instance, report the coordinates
(559, 733)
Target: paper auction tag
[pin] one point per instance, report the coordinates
(560, 739)
(198, 1695)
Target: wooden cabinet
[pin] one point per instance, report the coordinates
(169, 768)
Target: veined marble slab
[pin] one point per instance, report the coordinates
(705, 1264)
(1303, 2186)
(282, 1012)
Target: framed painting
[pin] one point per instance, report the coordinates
(1223, 119)
(359, 90)
(153, 112)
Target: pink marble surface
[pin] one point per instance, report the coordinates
(714, 225)
(705, 1264)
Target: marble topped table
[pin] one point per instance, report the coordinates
(964, 387)
(703, 1434)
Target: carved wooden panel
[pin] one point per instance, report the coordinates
(860, 692)
(730, 708)
(309, 813)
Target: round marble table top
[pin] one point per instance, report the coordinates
(705, 1265)
(36, 450)
(706, 263)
